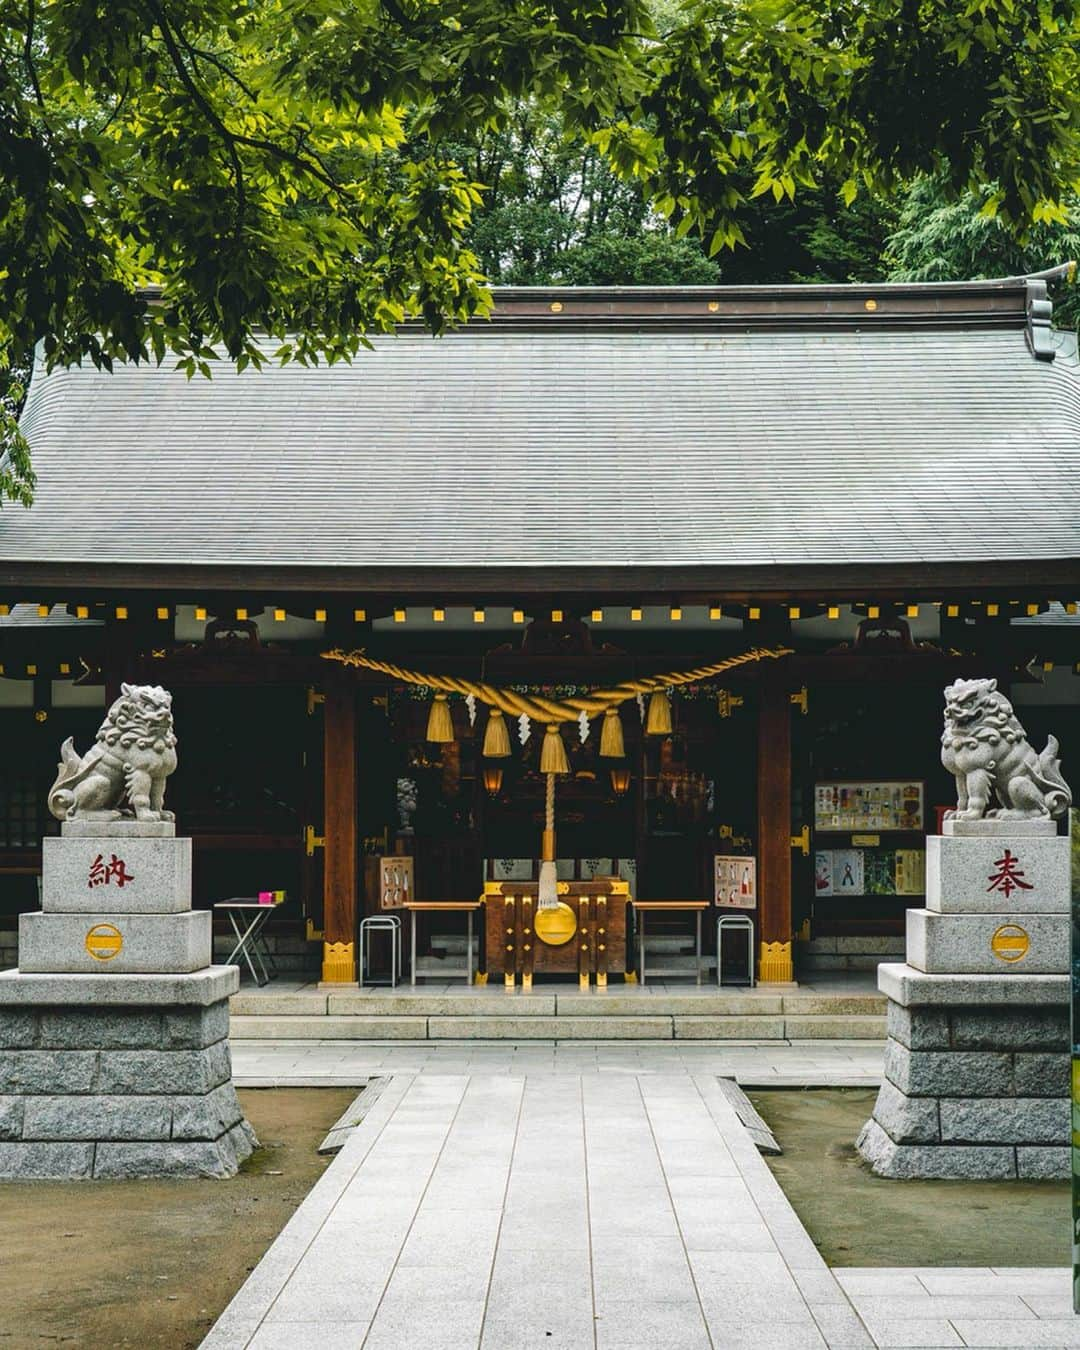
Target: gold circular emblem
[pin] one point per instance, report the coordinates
(1010, 943)
(103, 941)
(556, 926)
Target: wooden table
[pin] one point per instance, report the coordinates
(250, 939)
(643, 907)
(468, 907)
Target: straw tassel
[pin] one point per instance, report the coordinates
(496, 736)
(658, 722)
(612, 745)
(553, 752)
(440, 727)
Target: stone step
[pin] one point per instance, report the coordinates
(614, 1002)
(508, 1024)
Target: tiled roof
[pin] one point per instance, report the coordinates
(529, 448)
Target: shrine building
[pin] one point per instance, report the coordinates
(659, 585)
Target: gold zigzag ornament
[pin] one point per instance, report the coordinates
(549, 710)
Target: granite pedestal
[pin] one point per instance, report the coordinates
(977, 1060)
(114, 1054)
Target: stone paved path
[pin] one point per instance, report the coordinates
(608, 1212)
(814, 1063)
(607, 1204)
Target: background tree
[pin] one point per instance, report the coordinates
(177, 175)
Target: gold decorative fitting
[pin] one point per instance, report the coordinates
(992, 610)
(359, 615)
(162, 612)
(5, 610)
(41, 715)
(313, 699)
(200, 613)
(912, 611)
(478, 616)
(312, 841)
(676, 614)
(399, 616)
(873, 611)
(1032, 610)
(727, 702)
(279, 615)
(556, 306)
(31, 669)
(713, 306)
(438, 616)
(871, 305)
(339, 963)
(518, 616)
(121, 611)
(775, 964)
(952, 611)
(801, 841)
(801, 700)
(597, 616)
(557, 926)
(635, 615)
(65, 669)
(715, 612)
(241, 614)
(834, 611)
(794, 612)
(311, 933)
(753, 612)
(556, 616)
(43, 611)
(81, 611)
(320, 616)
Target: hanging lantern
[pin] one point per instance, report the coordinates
(612, 745)
(493, 777)
(620, 780)
(440, 727)
(553, 753)
(496, 736)
(658, 722)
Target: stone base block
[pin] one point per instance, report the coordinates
(933, 1162)
(117, 943)
(941, 944)
(913, 988)
(49, 1161)
(966, 875)
(116, 874)
(993, 828)
(199, 987)
(103, 1092)
(125, 829)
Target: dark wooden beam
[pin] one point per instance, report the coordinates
(339, 833)
(774, 830)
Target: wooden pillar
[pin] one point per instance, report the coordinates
(774, 832)
(339, 834)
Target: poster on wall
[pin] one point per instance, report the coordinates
(736, 882)
(848, 874)
(893, 804)
(395, 882)
(823, 872)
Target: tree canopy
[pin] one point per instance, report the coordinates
(176, 175)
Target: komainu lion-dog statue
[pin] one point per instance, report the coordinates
(986, 749)
(123, 773)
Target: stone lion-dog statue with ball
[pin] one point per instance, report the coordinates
(987, 751)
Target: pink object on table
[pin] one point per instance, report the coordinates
(266, 897)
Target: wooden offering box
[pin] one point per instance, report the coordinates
(586, 934)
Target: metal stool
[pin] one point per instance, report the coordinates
(737, 923)
(381, 923)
